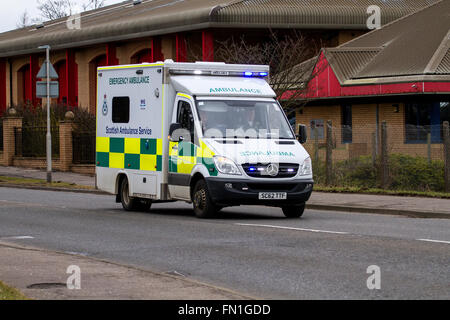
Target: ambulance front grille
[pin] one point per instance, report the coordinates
(259, 170)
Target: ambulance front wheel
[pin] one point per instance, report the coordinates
(203, 205)
(294, 211)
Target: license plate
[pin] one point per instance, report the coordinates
(272, 196)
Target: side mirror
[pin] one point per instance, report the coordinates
(174, 132)
(302, 136)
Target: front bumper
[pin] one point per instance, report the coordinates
(236, 192)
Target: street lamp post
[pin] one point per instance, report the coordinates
(49, 135)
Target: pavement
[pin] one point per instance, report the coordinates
(69, 177)
(43, 274)
(419, 207)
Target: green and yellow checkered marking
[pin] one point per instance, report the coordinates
(184, 158)
(129, 153)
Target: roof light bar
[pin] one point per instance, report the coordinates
(219, 73)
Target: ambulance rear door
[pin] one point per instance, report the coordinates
(130, 128)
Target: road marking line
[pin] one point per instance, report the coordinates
(17, 237)
(289, 228)
(77, 253)
(431, 240)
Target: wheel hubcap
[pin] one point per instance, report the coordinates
(200, 199)
(125, 196)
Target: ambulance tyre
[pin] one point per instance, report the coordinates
(144, 204)
(294, 211)
(203, 206)
(128, 203)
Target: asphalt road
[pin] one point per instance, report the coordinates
(253, 250)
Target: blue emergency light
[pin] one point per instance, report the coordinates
(255, 74)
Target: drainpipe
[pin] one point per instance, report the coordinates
(377, 133)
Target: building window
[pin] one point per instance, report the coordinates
(346, 123)
(121, 109)
(316, 125)
(426, 118)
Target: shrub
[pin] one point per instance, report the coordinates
(37, 116)
(405, 173)
(415, 173)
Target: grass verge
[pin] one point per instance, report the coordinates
(17, 181)
(8, 293)
(428, 194)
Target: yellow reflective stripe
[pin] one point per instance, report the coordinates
(184, 95)
(187, 159)
(148, 162)
(173, 151)
(159, 147)
(159, 143)
(116, 160)
(204, 151)
(102, 144)
(132, 66)
(184, 167)
(132, 145)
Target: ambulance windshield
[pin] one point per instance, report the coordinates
(243, 119)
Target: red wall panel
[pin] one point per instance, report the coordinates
(61, 70)
(111, 58)
(72, 78)
(181, 51)
(325, 85)
(207, 46)
(157, 54)
(2, 86)
(31, 85)
(437, 87)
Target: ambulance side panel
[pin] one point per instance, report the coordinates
(130, 129)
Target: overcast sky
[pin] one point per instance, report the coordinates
(11, 10)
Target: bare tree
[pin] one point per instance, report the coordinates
(24, 20)
(55, 9)
(289, 58)
(93, 4)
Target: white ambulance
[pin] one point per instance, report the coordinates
(211, 134)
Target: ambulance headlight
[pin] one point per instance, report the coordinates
(226, 166)
(306, 168)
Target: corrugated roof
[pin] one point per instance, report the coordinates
(415, 45)
(444, 66)
(347, 63)
(117, 22)
(315, 13)
(409, 44)
(127, 21)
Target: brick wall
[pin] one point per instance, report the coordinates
(363, 129)
(9, 145)
(83, 169)
(65, 145)
(64, 163)
(35, 163)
